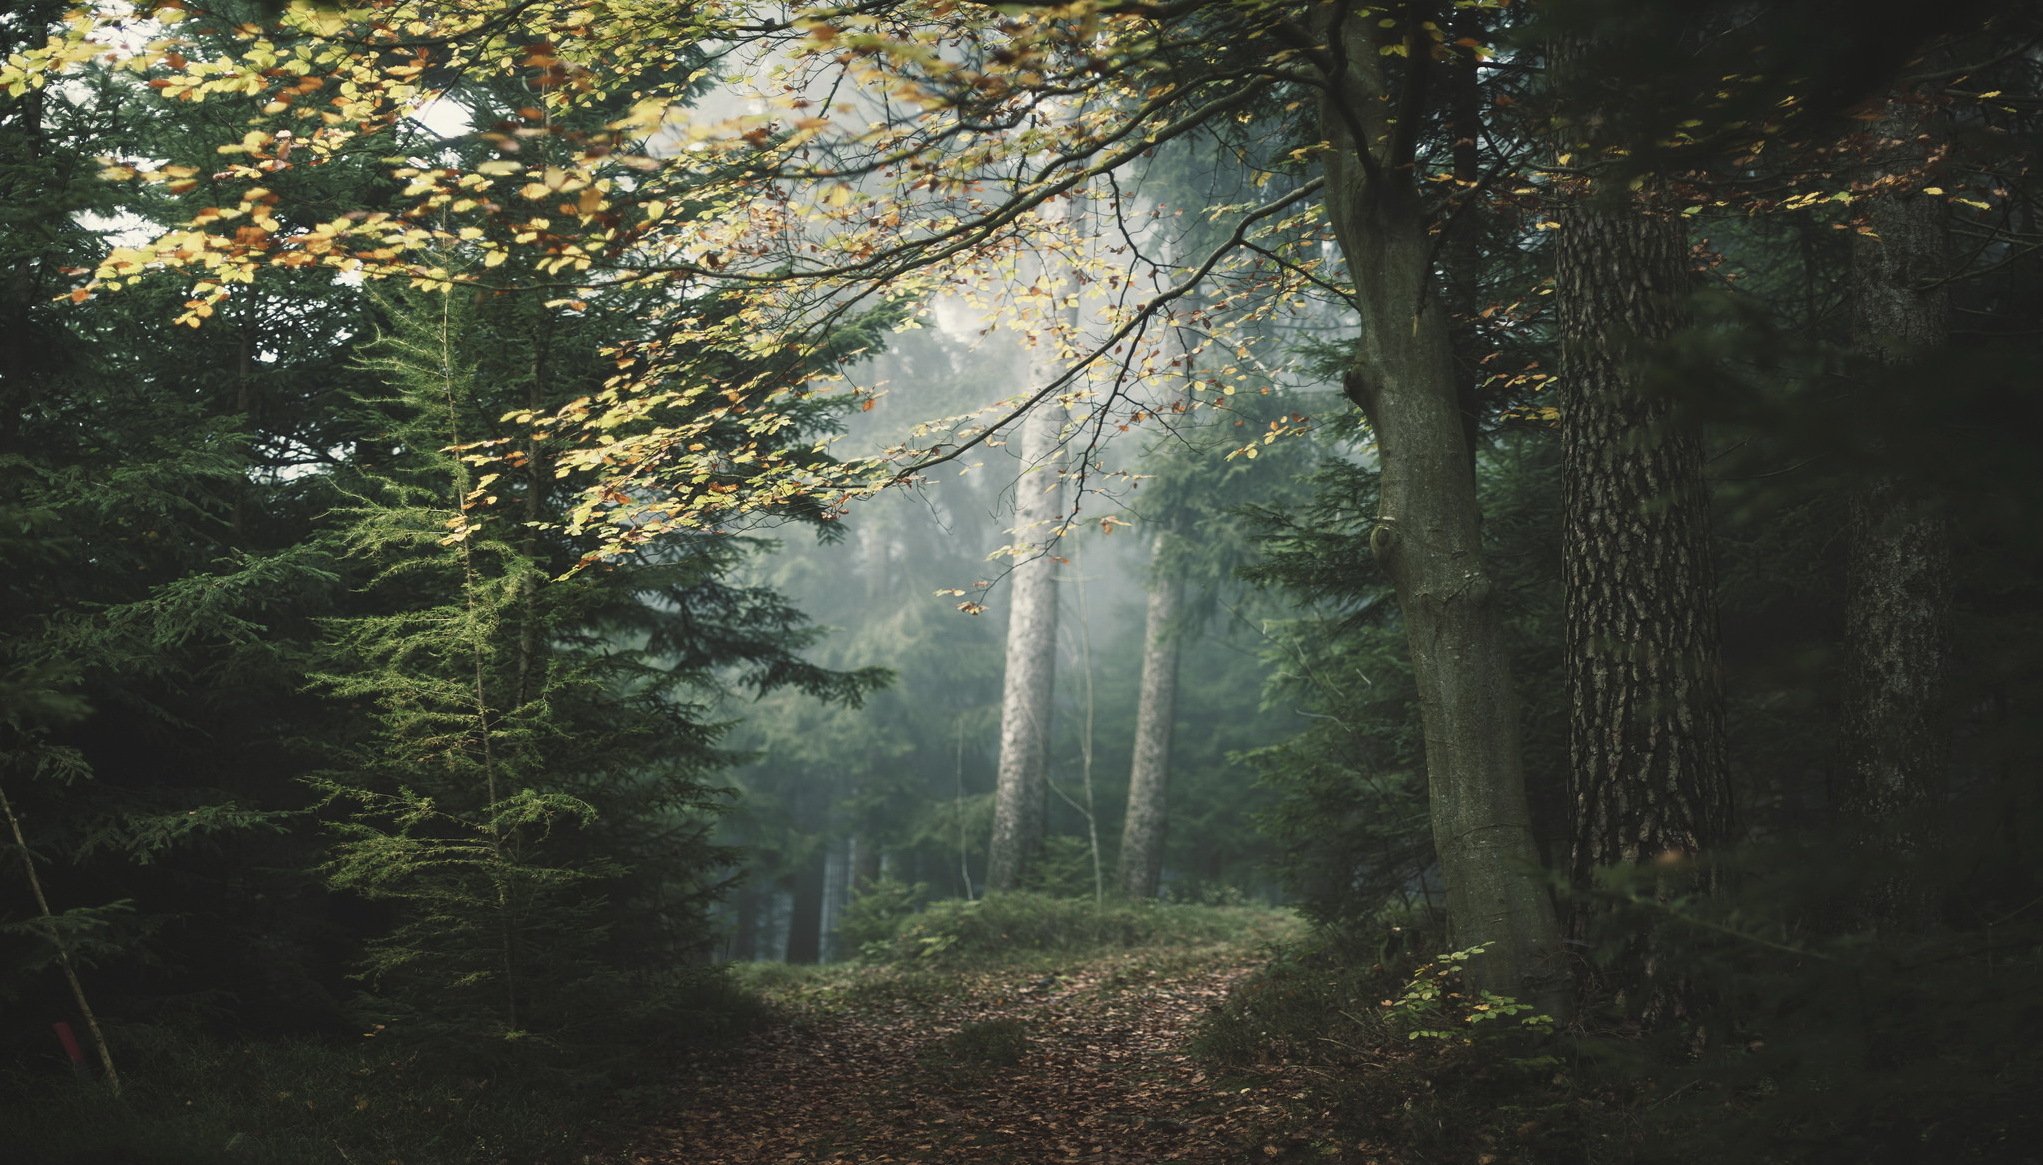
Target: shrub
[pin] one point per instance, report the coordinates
(192, 1097)
(1003, 926)
(877, 911)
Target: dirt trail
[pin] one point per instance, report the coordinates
(1008, 1069)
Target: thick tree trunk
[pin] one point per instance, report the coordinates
(1898, 581)
(1021, 791)
(1429, 539)
(1142, 832)
(1645, 690)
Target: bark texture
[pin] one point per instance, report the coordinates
(1898, 581)
(1142, 832)
(1021, 792)
(1645, 689)
(1429, 539)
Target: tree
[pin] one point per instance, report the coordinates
(1142, 833)
(1898, 574)
(1428, 530)
(1021, 792)
(155, 599)
(1647, 758)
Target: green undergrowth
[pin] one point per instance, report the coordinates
(1826, 1052)
(927, 954)
(1388, 1058)
(196, 1098)
(1017, 927)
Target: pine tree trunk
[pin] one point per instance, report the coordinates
(865, 862)
(745, 941)
(1142, 832)
(1645, 690)
(805, 919)
(1428, 538)
(1898, 581)
(1021, 790)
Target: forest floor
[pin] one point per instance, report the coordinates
(1032, 1063)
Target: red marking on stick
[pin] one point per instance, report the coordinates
(70, 1043)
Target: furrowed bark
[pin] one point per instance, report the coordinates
(1646, 745)
(1896, 744)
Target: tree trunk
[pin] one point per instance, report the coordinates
(1645, 688)
(805, 918)
(1898, 581)
(865, 862)
(745, 940)
(1142, 831)
(1428, 537)
(1021, 791)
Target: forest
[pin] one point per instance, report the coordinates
(1125, 581)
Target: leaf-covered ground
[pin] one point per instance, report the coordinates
(1080, 1063)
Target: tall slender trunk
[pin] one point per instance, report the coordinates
(805, 918)
(1428, 537)
(1645, 688)
(1896, 745)
(865, 861)
(745, 938)
(1021, 789)
(501, 843)
(1142, 832)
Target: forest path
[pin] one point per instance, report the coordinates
(991, 1068)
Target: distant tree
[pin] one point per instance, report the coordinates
(1142, 834)
(1021, 792)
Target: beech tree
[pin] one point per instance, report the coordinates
(1022, 789)
(1142, 832)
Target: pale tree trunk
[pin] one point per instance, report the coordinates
(1021, 791)
(1142, 831)
(1898, 580)
(1428, 538)
(1645, 689)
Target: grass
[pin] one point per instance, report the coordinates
(1007, 928)
(194, 1098)
(920, 965)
